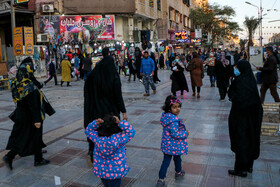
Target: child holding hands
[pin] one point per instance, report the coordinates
(174, 139)
(110, 136)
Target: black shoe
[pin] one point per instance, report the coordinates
(8, 162)
(237, 173)
(42, 163)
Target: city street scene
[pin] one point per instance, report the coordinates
(139, 93)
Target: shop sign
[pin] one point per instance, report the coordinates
(18, 41)
(195, 40)
(28, 40)
(192, 34)
(93, 27)
(198, 33)
(22, 1)
(181, 36)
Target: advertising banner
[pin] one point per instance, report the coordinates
(181, 36)
(88, 27)
(18, 41)
(256, 57)
(50, 25)
(28, 41)
(21, 1)
(198, 33)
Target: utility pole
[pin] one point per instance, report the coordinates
(13, 19)
(261, 11)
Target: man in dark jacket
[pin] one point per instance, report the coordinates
(52, 72)
(236, 57)
(269, 76)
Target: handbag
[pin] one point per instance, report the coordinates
(48, 107)
(190, 66)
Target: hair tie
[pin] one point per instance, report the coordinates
(174, 101)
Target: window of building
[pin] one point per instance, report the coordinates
(151, 3)
(159, 5)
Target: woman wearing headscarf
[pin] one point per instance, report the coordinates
(210, 63)
(103, 93)
(26, 136)
(161, 61)
(223, 74)
(155, 76)
(179, 82)
(65, 71)
(245, 119)
(197, 73)
(132, 68)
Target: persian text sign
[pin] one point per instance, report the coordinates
(28, 41)
(181, 36)
(18, 41)
(99, 28)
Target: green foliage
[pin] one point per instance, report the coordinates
(242, 44)
(216, 20)
(251, 25)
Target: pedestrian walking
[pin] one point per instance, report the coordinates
(197, 74)
(66, 71)
(103, 93)
(245, 119)
(76, 65)
(81, 65)
(155, 76)
(179, 82)
(223, 74)
(210, 63)
(87, 66)
(161, 61)
(236, 57)
(110, 136)
(174, 139)
(147, 72)
(122, 65)
(26, 136)
(52, 72)
(269, 76)
(132, 68)
(138, 56)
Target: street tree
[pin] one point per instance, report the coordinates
(251, 25)
(217, 20)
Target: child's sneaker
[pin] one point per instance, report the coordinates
(161, 183)
(180, 174)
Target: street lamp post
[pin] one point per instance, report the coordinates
(260, 17)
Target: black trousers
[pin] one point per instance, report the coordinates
(273, 92)
(223, 92)
(52, 76)
(241, 165)
(193, 89)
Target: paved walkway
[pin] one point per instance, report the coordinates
(209, 148)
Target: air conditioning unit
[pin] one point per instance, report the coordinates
(43, 38)
(48, 8)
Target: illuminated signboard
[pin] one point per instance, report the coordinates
(22, 1)
(196, 41)
(181, 36)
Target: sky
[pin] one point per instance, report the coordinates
(242, 9)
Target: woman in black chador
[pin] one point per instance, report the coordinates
(245, 119)
(26, 136)
(179, 82)
(103, 93)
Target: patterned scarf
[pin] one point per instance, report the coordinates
(23, 85)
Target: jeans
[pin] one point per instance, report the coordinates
(212, 79)
(86, 74)
(147, 81)
(166, 162)
(111, 183)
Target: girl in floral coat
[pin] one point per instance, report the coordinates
(174, 139)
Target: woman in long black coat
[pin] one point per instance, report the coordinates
(26, 137)
(245, 119)
(223, 73)
(179, 82)
(103, 93)
(155, 76)
(161, 61)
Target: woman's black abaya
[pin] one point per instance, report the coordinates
(245, 118)
(179, 82)
(102, 93)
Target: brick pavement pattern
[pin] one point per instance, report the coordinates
(209, 148)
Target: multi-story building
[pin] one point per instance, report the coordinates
(199, 3)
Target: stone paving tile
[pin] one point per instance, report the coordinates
(206, 164)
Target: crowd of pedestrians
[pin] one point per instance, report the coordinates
(107, 134)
